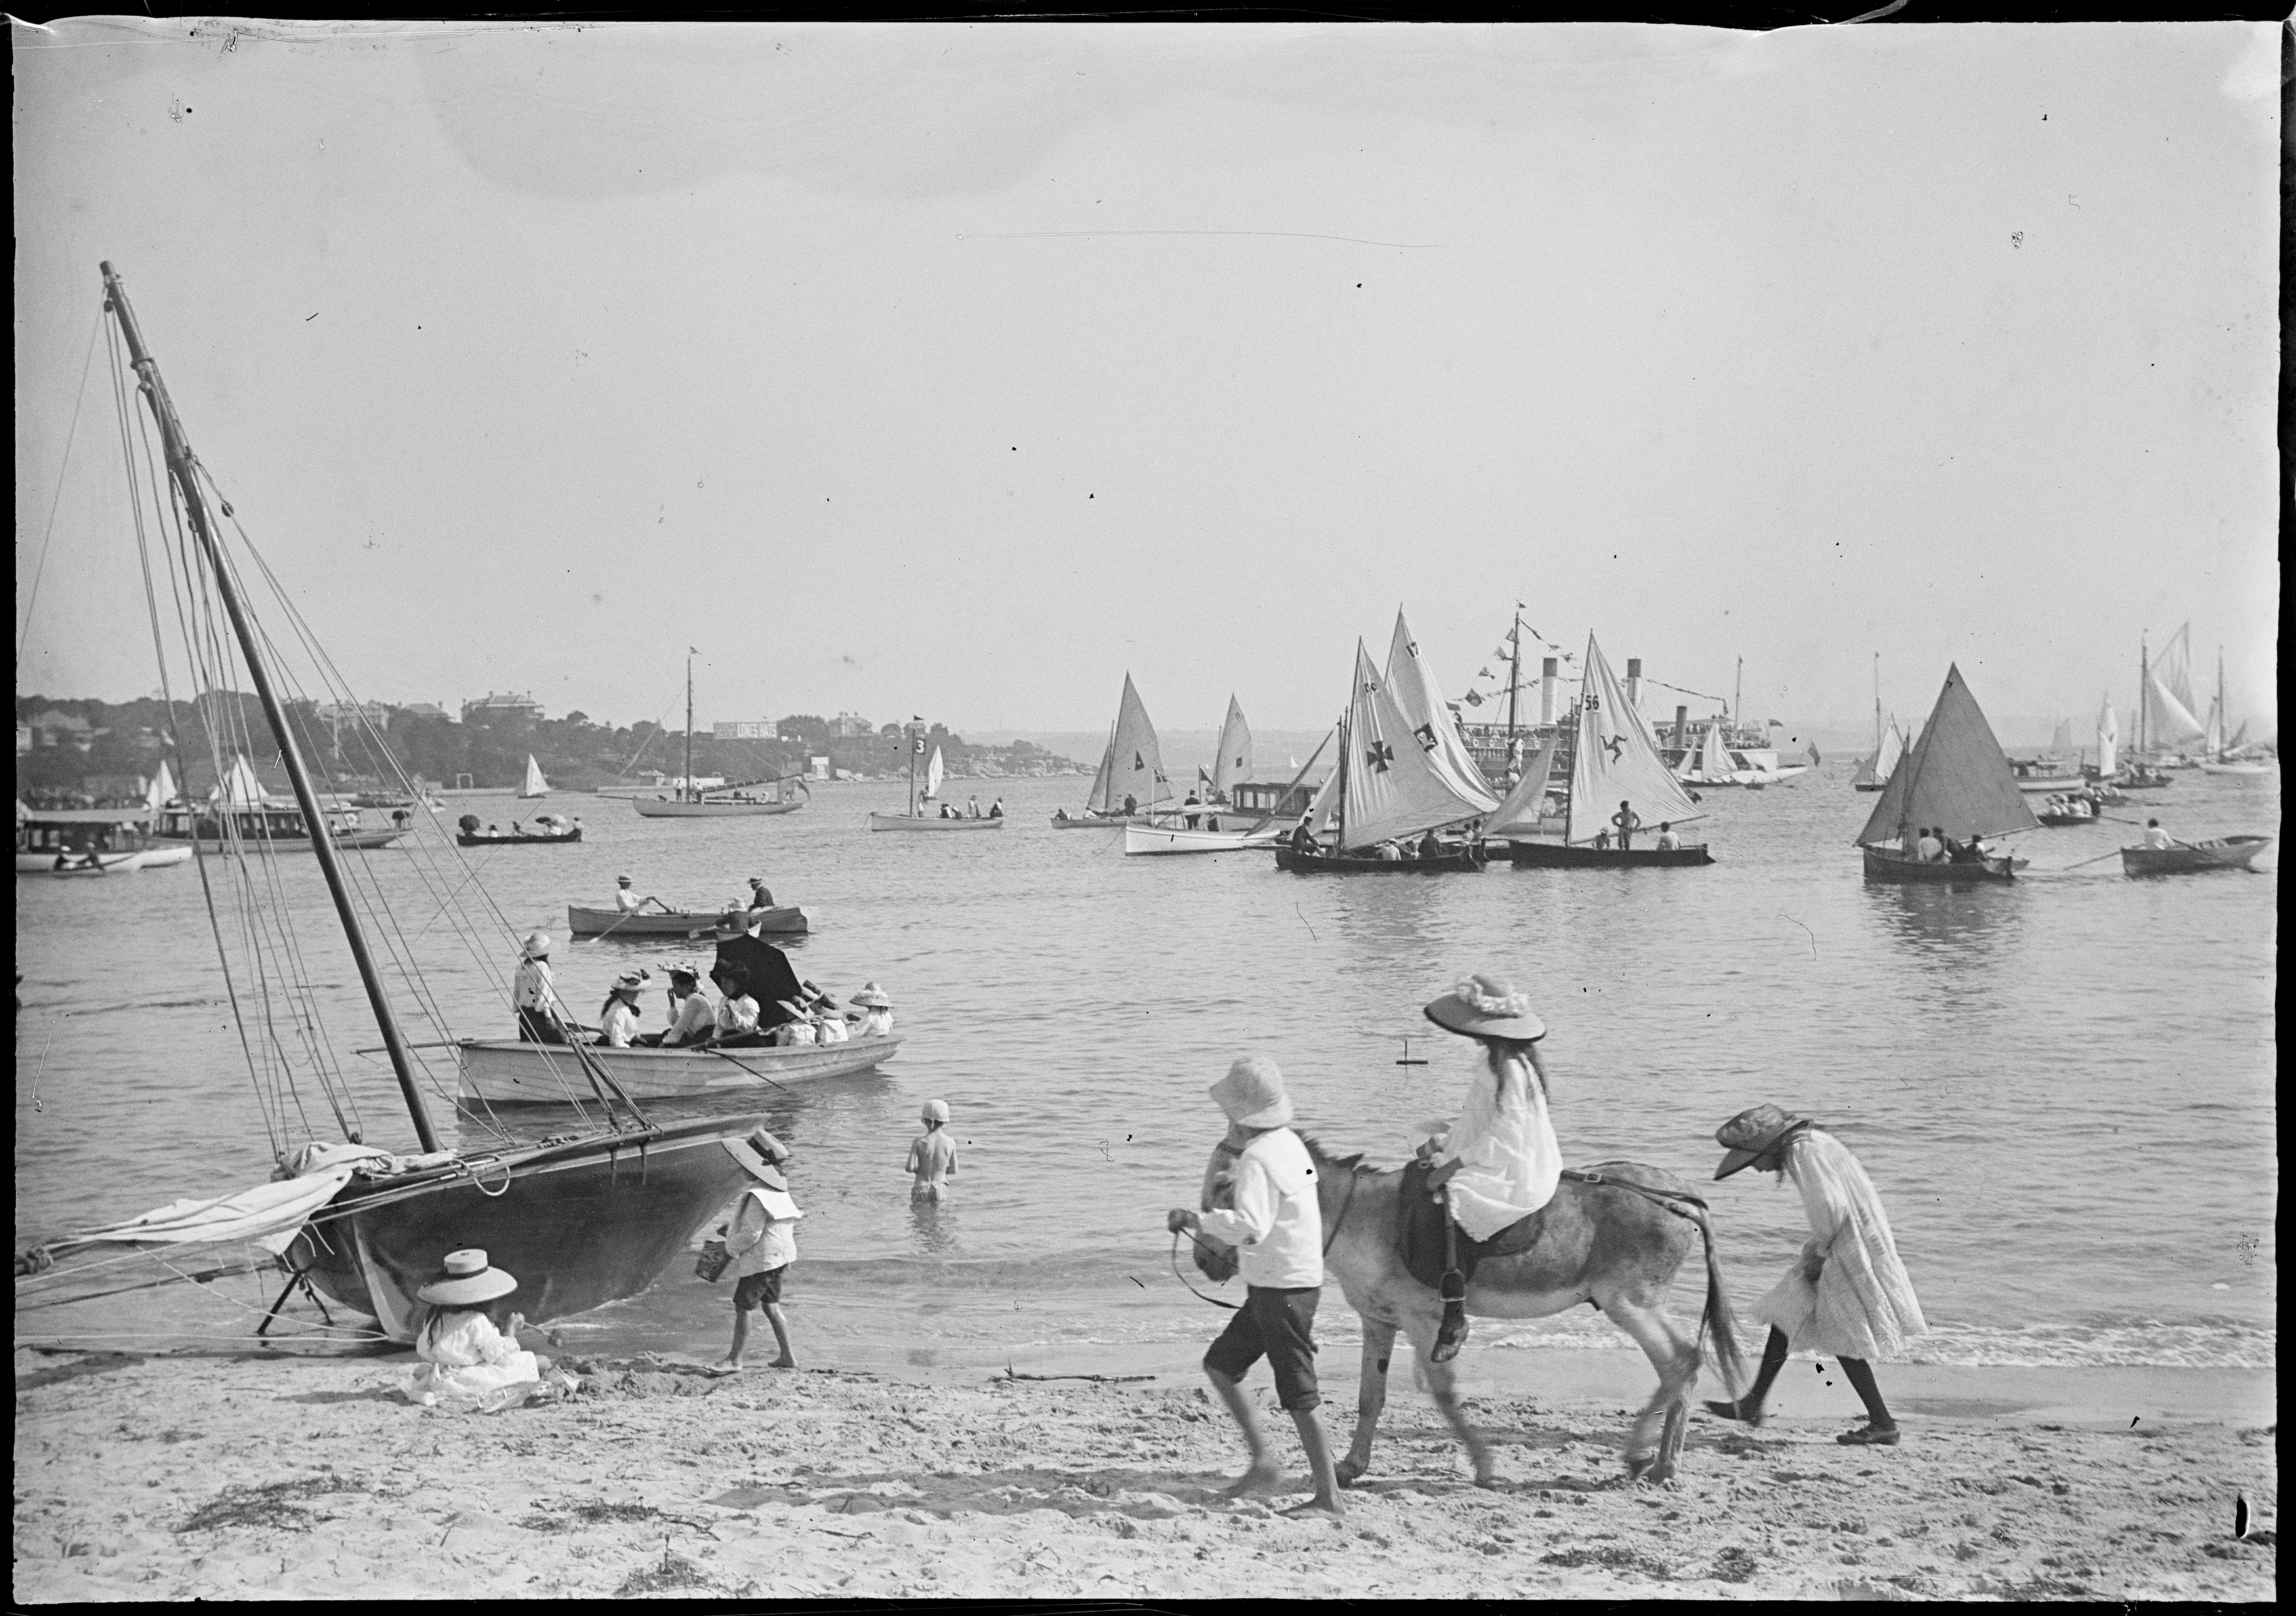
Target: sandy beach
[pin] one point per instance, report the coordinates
(283, 1476)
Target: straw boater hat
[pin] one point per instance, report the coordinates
(774, 1154)
(632, 980)
(536, 945)
(1487, 1006)
(1252, 1093)
(1746, 1136)
(466, 1279)
(871, 997)
(621, 880)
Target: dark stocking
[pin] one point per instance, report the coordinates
(1749, 1408)
(1861, 1382)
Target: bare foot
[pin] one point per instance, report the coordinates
(782, 1363)
(1315, 1509)
(726, 1365)
(1257, 1482)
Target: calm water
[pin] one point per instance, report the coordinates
(2062, 1088)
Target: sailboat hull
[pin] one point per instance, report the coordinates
(464, 839)
(2235, 768)
(921, 822)
(1881, 864)
(1563, 856)
(505, 1072)
(663, 807)
(1095, 822)
(579, 1225)
(1142, 840)
(1869, 785)
(1355, 864)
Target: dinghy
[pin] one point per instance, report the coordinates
(916, 819)
(785, 919)
(1132, 766)
(1614, 758)
(503, 1071)
(2224, 853)
(1956, 778)
(534, 784)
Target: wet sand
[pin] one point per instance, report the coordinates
(946, 1482)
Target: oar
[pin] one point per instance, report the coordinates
(2098, 859)
(752, 1070)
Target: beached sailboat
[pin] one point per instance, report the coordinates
(917, 819)
(737, 800)
(1614, 759)
(534, 784)
(1956, 779)
(585, 1218)
(1388, 788)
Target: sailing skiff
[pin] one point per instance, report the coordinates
(916, 819)
(1956, 779)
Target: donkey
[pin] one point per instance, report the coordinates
(1601, 1242)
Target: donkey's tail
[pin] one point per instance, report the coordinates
(1719, 1320)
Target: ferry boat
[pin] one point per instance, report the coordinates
(89, 841)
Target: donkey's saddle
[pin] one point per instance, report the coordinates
(1420, 1237)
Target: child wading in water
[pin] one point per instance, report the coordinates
(932, 1156)
(763, 1243)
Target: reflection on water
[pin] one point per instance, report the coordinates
(933, 1224)
(1966, 933)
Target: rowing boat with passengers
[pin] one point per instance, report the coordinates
(505, 1072)
(786, 920)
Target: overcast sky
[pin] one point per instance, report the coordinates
(958, 370)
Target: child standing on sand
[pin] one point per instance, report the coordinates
(932, 1155)
(763, 1243)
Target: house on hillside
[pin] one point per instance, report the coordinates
(493, 709)
(746, 729)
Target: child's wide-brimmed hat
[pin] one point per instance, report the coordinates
(536, 945)
(466, 1279)
(1487, 1006)
(731, 924)
(1252, 1093)
(872, 998)
(935, 1111)
(1746, 1136)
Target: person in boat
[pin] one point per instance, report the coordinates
(1275, 1221)
(693, 1018)
(1628, 822)
(932, 1155)
(1190, 801)
(1387, 852)
(1927, 848)
(997, 809)
(1500, 1162)
(1668, 840)
(2155, 837)
(736, 1024)
(1847, 1296)
(796, 1030)
(1303, 840)
(827, 1015)
(1430, 845)
(761, 1238)
(1971, 851)
(1060, 813)
(876, 1021)
(1131, 804)
(626, 900)
(761, 896)
(748, 964)
(541, 1015)
(464, 1353)
(973, 807)
(617, 1017)
(1602, 839)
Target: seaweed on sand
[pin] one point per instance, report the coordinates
(276, 1505)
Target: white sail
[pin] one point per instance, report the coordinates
(1139, 767)
(1391, 783)
(238, 788)
(2062, 742)
(1893, 747)
(2108, 743)
(161, 792)
(1432, 726)
(1322, 811)
(2212, 732)
(1234, 765)
(2172, 665)
(936, 771)
(1714, 758)
(2169, 723)
(1098, 802)
(1614, 761)
(1518, 812)
(534, 785)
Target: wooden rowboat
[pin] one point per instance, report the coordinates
(928, 822)
(725, 808)
(503, 1071)
(1563, 856)
(787, 919)
(1141, 839)
(2225, 853)
(1356, 863)
(1886, 864)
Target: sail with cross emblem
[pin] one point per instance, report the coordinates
(1392, 788)
(1613, 760)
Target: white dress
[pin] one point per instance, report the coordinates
(464, 1356)
(1503, 1137)
(1863, 1305)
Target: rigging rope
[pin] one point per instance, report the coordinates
(72, 435)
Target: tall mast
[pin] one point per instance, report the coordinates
(1738, 702)
(183, 469)
(2144, 690)
(908, 733)
(1877, 705)
(1514, 675)
(690, 794)
(1341, 846)
(2224, 718)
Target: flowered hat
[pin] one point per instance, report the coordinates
(1746, 1136)
(872, 998)
(1487, 1006)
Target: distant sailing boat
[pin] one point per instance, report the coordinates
(1957, 781)
(2165, 723)
(1614, 759)
(1872, 774)
(2218, 754)
(535, 785)
(720, 803)
(1131, 780)
(1232, 766)
(917, 819)
(1711, 764)
(1210, 824)
(1388, 787)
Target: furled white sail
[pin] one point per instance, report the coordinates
(2108, 741)
(1433, 728)
(1234, 764)
(1098, 802)
(239, 787)
(936, 771)
(1614, 760)
(1391, 783)
(535, 785)
(1139, 767)
(1518, 812)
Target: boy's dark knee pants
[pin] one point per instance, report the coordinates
(1278, 1325)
